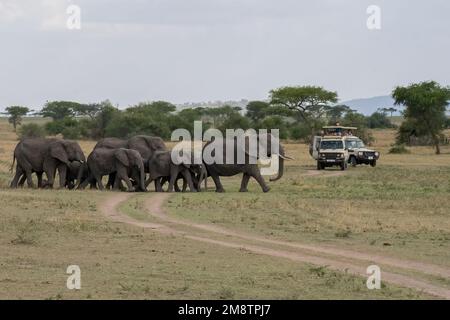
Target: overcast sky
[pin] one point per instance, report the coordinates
(199, 50)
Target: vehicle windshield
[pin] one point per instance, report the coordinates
(354, 144)
(332, 144)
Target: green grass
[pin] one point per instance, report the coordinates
(395, 210)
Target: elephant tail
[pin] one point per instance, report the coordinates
(12, 166)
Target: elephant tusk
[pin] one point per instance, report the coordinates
(285, 157)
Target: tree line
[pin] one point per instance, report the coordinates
(298, 112)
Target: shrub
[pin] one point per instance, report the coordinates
(72, 133)
(378, 120)
(31, 130)
(398, 149)
(300, 132)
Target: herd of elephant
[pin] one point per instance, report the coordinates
(137, 162)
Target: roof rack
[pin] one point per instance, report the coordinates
(340, 127)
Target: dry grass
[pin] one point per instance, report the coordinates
(42, 232)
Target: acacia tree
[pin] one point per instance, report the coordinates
(389, 110)
(336, 113)
(309, 103)
(15, 115)
(426, 103)
(257, 110)
(58, 110)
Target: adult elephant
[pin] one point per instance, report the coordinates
(111, 143)
(76, 171)
(45, 155)
(124, 163)
(248, 166)
(145, 145)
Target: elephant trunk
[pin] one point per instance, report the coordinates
(80, 157)
(280, 169)
(80, 174)
(142, 179)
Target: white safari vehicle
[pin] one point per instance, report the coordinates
(337, 146)
(330, 151)
(359, 154)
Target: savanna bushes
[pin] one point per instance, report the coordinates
(160, 118)
(74, 120)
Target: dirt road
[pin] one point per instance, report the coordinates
(334, 258)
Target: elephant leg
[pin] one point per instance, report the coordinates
(188, 179)
(257, 175)
(22, 180)
(115, 186)
(39, 176)
(62, 170)
(85, 182)
(171, 183)
(92, 184)
(219, 187)
(185, 184)
(158, 185)
(244, 182)
(148, 181)
(121, 174)
(50, 177)
(19, 175)
(98, 178)
(29, 178)
(125, 178)
(111, 181)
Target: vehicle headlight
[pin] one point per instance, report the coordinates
(377, 154)
(360, 153)
(322, 155)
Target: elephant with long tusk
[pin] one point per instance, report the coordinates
(248, 166)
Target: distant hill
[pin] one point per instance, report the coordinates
(368, 106)
(365, 106)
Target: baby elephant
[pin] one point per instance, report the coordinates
(124, 163)
(161, 166)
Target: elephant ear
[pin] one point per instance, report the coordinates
(155, 143)
(122, 156)
(139, 162)
(251, 146)
(58, 151)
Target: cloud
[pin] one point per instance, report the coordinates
(10, 11)
(53, 14)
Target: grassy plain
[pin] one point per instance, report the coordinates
(399, 208)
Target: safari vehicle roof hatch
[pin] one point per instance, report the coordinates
(340, 127)
(338, 130)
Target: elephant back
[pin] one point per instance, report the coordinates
(111, 143)
(146, 145)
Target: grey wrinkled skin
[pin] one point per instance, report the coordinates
(76, 172)
(248, 169)
(39, 155)
(161, 167)
(145, 145)
(123, 163)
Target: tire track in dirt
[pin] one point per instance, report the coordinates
(155, 207)
(312, 249)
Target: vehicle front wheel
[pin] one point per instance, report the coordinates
(373, 163)
(353, 161)
(319, 166)
(343, 166)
